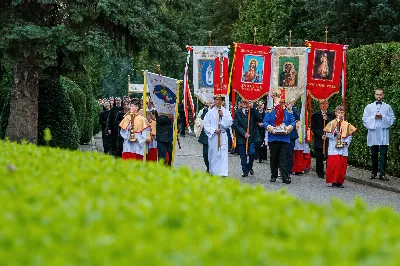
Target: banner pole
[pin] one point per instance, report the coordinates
(144, 111)
(175, 125)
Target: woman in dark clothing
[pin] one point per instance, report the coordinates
(112, 129)
(103, 117)
(118, 119)
(260, 147)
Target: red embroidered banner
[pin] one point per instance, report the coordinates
(218, 80)
(324, 69)
(252, 71)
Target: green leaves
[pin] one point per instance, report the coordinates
(65, 207)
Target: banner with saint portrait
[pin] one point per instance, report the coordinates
(203, 70)
(251, 71)
(289, 71)
(324, 69)
(163, 92)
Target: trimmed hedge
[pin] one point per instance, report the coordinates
(96, 111)
(58, 215)
(371, 67)
(82, 80)
(78, 99)
(56, 112)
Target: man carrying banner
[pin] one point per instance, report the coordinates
(279, 123)
(246, 124)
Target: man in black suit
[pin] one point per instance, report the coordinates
(203, 139)
(164, 137)
(240, 123)
(317, 128)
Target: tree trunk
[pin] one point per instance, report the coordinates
(23, 120)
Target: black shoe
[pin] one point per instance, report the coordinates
(339, 185)
(287, 181)
(245, 175)
(373, 176)
(260, 161)
(383, 178)
(321, 176)
(252, 172)
(272, 179)
(334, 185)
(306, 171)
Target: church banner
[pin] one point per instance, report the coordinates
(163, 92)
(251, 71)
(289, 71)
(324, 69)
(203, 70)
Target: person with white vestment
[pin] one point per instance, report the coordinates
(216, 122)
(378, 117)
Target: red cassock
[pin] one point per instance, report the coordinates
(298, 163)
(336, 169)
(131, 156)
(152, 155)
(306, 161)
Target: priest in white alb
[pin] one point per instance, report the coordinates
(216, 122)
(378, 117)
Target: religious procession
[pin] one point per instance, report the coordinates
(271, 119)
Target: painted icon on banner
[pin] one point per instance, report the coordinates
(324, 61)
(164, 93)
(288, 71)
(206, 73)
(253, 66)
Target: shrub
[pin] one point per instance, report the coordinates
(96, 111)
(56, 113)
(82, 80)
(78, 99)
(151, 215)
(5, 114)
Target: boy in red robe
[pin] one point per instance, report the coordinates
(340, 134)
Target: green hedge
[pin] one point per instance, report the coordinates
(78, 99)
(83, 81)
(96, 111)
(74, 215)
(56, 112)
(371, 67)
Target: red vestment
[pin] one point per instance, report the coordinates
(336, 169)
(298, 163)
(152, 155)
(132, 156)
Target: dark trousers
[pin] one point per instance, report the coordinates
(114, 140)
(183, 126)
(290, 154)
(163, 148)
(375, 150)
(106, 140)
(205, 157)
(228, 133)
(246, 165)
(319, 161)
(261, 151)
(279, 159)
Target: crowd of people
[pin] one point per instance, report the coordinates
(257, 129)
(252, 132)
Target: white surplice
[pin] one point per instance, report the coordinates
(218, 159)
(378, 129)
(136, 147)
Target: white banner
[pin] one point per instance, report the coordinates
(203, 70)
(162, 91)
(289, 71)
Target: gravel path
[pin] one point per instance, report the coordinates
(307, 187)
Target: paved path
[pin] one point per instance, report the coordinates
(308, 187)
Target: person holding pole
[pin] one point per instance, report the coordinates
(216, 122)
(246, 124)
(319, 120)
